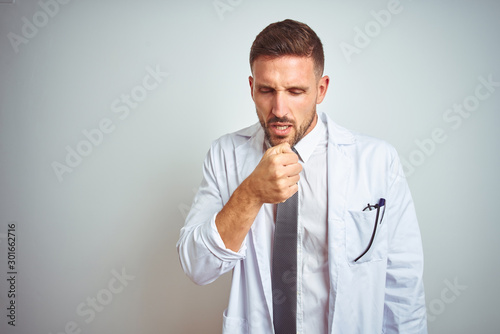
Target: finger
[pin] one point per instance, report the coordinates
(292, 169)
(286, 159)
(289, 158)
(292, 180)
(293, 189)
(281, 148)
(289, 192)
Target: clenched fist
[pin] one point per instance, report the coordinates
(273, 181)
(275, 178)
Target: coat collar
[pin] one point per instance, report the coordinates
(249, 153)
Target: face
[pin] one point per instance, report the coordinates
(286, 91)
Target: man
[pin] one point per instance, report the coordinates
(355, 268)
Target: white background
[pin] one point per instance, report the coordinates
(121, 208)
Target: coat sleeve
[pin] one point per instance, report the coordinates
(404, 304)
(202, 253)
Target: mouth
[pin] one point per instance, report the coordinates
(280, 129)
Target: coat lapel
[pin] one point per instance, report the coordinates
(339, 171)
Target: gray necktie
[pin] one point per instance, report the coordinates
(284, 274)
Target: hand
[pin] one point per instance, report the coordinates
(273, 181)
(275, 178)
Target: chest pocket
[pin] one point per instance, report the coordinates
(360, 228)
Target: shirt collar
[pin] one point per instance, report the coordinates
(306, 146)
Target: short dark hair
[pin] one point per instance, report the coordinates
(289, 38)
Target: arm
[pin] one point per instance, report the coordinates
(212, 240)
(404, 307)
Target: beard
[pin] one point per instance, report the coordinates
(293, 139)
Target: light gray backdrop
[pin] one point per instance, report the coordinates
(107, 109)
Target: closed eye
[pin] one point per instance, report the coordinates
(296, 91)
(265, 90)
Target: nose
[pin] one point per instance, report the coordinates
(280, 108)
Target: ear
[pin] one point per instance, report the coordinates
(322, 88)
(250, 81)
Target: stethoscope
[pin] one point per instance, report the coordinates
(370, 207)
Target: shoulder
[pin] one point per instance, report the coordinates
(353, 140)
(358, 146)
(369, 156)
(368, 142)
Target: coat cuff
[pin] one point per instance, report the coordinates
(216, 245)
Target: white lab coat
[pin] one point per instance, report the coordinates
(380, 293)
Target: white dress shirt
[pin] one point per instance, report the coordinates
(312, 267)
(312, 250)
